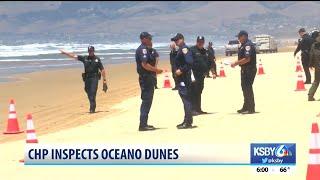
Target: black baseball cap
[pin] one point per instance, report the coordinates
(241, 33)
(145, 35)
(200, 38)
(90, 48)
(177, 37)
(302, 30)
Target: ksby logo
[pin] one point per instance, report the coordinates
(283, 151)
(269, 153)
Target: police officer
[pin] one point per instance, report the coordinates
(315, 63)
(211, 61)
(199, 68)
(173, 54)
(304, 45)
(183, 65)
(154, 62)
(93, 69)
(247, 62)
(147, 73)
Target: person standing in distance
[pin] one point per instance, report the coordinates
(247, 62)
(211, 61)
(146, 79)
(93, 69)
(304, 46)
(173, 54)
(183, 65)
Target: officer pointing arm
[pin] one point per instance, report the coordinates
(79, 58)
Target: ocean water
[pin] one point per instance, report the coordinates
(24, 58)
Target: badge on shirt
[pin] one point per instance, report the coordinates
(185, 50)
(96, 60)
(144, 51)
(248, 48)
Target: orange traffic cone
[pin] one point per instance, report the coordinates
(313, 171)
(13, 125)
(166, 83)
(260, 69)
(298, 67)
(222, 73)
(31, 132)
(300, 83)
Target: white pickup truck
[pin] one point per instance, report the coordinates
(265, 44)
(232, 47)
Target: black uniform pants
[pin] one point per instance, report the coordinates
(147, 83)
(247, 79)
(185, 94)
(305, 65)
(196, 91)
(91, 87)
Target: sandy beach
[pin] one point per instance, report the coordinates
(59, 105)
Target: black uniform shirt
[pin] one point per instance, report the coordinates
(184, 61)
(92, 64)
(153, 54)
(200, 60)
(304, 44)
(143, 55)
(248, 49)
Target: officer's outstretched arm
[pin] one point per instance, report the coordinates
(71, 55)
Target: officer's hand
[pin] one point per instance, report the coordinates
(159, 71)
(105, 87)
(178, 72)
(233, 65)
(214, 76)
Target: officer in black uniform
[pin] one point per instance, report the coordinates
(93, 70)
(212, 61)
(183, 65)
(154, 62)
(247, 62)
(147, 74)
(199, 68)
(173, 54)
(305, 45)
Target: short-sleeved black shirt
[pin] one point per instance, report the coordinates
(144, 54)
(248, 49)
(92, 64)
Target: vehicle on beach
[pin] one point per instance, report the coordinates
(265, 44)
(232, 47)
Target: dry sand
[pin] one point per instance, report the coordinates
(284, 116)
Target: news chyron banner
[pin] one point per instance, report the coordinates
(264, 158)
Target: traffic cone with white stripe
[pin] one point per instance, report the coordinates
(298, 66)
(31, 132)
(13, 124)
(260, 69)
(300, 83)
(166, 83)
(222, 73)
(313, 171)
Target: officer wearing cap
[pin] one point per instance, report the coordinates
(199, 68)
(146, 72)
(183, 65)
(247, 62)
(304, 46)
(93, 69)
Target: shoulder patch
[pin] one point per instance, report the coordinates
(185, 50)
(248, 48)
(144, 51)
